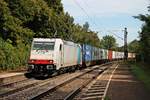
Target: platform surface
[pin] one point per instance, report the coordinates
(5, 75)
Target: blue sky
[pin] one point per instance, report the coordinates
(108, 17)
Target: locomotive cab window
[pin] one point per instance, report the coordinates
(43, 46)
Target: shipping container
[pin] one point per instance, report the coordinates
(95, 54)
(99, 54)
(86, 53)
(116, 55)
(104, 54)
(110, 55)
(107, 54)
(113, 55)
(131, 55)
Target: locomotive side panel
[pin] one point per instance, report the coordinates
(71, 54)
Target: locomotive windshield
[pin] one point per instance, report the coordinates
(43, 46)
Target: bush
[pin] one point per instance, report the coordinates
(12, 57)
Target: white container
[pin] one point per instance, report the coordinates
(113, 55)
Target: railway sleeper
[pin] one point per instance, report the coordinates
(92, 94)
(94, 86)
(95, 91)
(92, 98)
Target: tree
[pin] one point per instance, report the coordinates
(108, 42)
(56, 5)
(145, 36)
(134, 46)
(86, 26)
(11, 27)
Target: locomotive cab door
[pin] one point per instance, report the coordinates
(61, 55)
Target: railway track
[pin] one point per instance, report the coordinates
(41, 88)
(67, 90)
(12, 84)
(33, 88)
(10, 88)
(97, 89)
(37, 88)
(61, 90)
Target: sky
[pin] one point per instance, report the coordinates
(108, 17)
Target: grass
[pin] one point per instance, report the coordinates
(17, 69)
(142, 72)
(106, 98)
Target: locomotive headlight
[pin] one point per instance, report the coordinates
(31, 61)
(51, 61)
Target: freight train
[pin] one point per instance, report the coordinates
(48, 56)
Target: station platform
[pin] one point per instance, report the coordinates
(7, 78)
(5, 75)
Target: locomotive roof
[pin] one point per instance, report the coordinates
(45, 39)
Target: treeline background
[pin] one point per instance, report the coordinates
(21, 20)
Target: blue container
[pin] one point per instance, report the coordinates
(86, 53)
(79, 55)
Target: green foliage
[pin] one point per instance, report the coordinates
(145, 36)
(134, 46)
(11, 27)
(141, 74)
(56, 5)
(108, 42)
(107, 98)
(86, 27)
(21, 20)
(12, 57)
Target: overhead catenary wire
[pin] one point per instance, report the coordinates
(84, 11)
(116, 35)
(90, 11)
(110, 31)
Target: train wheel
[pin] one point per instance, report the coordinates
(60, 71)
(28, 75)
(46, 75)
